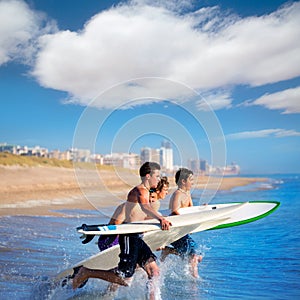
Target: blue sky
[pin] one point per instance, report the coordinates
(219, 79)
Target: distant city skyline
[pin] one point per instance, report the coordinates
(219, 79)
(162, 155)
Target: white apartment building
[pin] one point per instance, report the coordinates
(166, 158)
(163, 155)
(122, 160)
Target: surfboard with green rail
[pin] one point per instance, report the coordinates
(253, 211)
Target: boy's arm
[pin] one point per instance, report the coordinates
(175, 204)
(118, 216)
(143, 199)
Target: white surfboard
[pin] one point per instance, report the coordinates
(109, 258)
(216, 216)
(154, 236)
(191, 217)
(254, 211)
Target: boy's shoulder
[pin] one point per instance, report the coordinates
(138, 191)
(175, 195)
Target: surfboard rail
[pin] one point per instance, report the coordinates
(195, 217)
(252, 219)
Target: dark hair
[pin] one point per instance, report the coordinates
(148, 168)
(163, 181)
(181, 174)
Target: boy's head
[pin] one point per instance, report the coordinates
(148, 168)
(161, 191)
(150, 173)
(182, 174)
(163, 183)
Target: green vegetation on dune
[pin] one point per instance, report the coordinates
(8, 159)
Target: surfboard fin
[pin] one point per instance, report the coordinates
(87, 238)
(86, 227)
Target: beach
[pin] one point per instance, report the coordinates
(41, 190)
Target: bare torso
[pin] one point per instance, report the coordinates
(180, 199)
(136, 197)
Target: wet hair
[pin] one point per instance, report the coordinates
(163, 181)
(182, 174)
(148, 168)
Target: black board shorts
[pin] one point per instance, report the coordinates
(134, 251)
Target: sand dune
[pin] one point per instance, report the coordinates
(42, 190)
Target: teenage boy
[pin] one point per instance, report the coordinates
(134, 251)
(185, 246)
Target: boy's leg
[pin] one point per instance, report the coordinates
(193, 259)
(108, 275)
(153, 284)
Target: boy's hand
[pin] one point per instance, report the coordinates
(165, 224)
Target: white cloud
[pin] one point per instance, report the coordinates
(19, 28)
(204, 50)
(174, 5)
(287, 100)
(277, 133)
(215, 101)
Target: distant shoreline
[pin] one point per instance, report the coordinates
(43, 190)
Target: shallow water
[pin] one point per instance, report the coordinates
(260, 260)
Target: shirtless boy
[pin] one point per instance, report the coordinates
(133, 249)
(158, 193)
(118, 217)
(185, 246)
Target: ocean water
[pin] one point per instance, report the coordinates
(259, 260)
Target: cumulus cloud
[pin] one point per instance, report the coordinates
(287, 100)
(137, 40)
(205, 49)
(277, 133)
(19, 28)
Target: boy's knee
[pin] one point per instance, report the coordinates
(154, 273)
(152, 270)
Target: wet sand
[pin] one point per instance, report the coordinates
(44, 190)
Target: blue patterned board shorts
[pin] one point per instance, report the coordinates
(185, 246)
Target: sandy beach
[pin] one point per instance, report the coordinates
(44, 190)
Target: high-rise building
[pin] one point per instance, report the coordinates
(194, 165)
(145, 154)
(149, 154)
(203, 166)
(166, 155)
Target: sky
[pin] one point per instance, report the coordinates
(220, 80)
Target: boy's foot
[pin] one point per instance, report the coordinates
(79, 277)
(166, 251)
(67, 279)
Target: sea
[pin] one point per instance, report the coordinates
(258, 260)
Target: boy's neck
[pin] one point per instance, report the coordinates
(183, 189)
(146, 185)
